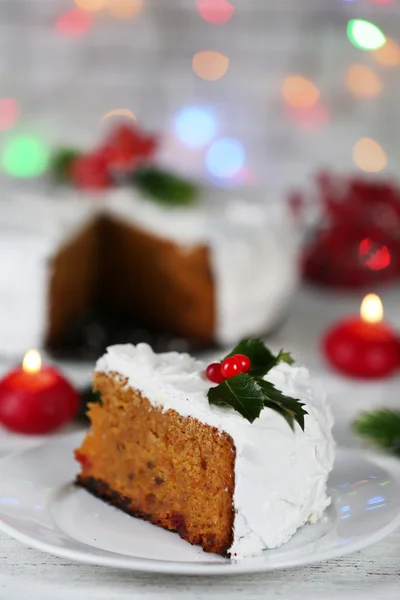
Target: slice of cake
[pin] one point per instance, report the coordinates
(236, 466)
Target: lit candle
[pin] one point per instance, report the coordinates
(36, 398)
(363, 346)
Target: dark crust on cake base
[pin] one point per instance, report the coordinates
(175, 523)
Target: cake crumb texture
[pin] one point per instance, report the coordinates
(170, 470)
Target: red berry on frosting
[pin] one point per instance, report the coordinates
(213, 373)
(231, 366)
(245, 362)
(128, 147)
(90, 172)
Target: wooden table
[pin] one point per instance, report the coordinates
(26, 574)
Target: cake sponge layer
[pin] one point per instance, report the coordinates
(168, 469)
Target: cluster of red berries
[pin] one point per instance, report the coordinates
(218, 372)
(357, 242)
(125, 149)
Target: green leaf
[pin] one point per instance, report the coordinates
(291, 408)
(241, 392)
(381, 427)
(284, 357)
(164, 187)
(61, 163)
(261, 358)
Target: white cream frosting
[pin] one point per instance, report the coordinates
(253, 254)
(280, 475)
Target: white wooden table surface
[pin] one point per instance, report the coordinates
(373, 573)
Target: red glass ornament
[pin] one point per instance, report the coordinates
(214, 374)
(38, 402)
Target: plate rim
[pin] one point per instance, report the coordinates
(238, 567)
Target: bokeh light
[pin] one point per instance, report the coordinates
(300, 92)
(364, 34)
(25, 156)
(374, 257)
(225, 158)
(119, 112)
(210, 65)
(215, 11)
(369, 156)
(363, 82)
(388, 55)
(315, 117)
(74, 22)
(9, 113)
(125, 9)
(90, 5)
(195, 127)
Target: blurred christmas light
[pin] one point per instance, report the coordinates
(363, 82)
(388, 54)
(310, 118)
(25, 156)
(194, 126)
(210, 65)
(217, 12)
(9, 112)
(124, 9)
(119, 112)
(90, 5)
(300, 92)
(374, 257)
(365, 35)
(225, 158)
(369, 156)
(74, 22)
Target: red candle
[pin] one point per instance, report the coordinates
(36, 399)
(363, 346)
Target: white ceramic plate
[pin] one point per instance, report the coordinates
(41, 507)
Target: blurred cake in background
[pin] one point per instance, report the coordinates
(120, 245)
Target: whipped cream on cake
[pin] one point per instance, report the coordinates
(280, 474)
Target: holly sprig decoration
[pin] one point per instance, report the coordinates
(241, 383)
(380, 427)
(125, 158)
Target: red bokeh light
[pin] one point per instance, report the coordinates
(217, 12)
(375, 259)
(74, 22)
(9, 112)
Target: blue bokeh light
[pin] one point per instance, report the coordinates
(225, 158)
(194, 126)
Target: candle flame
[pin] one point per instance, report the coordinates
(32, 362)
(371, 309)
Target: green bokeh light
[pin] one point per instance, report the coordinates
(25, 156)
(365, 35)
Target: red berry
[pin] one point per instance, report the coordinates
(213, 373)
(245, 362)
(90, 172)
(128, 147)
(231, 366)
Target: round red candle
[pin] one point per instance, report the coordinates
(363, 346)
(36, 399)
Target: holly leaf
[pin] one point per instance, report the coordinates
(61, 163)
(284, 357)
(381, 427)
(260, 357)
(241, 392)
(291, 408)
(164, 187)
